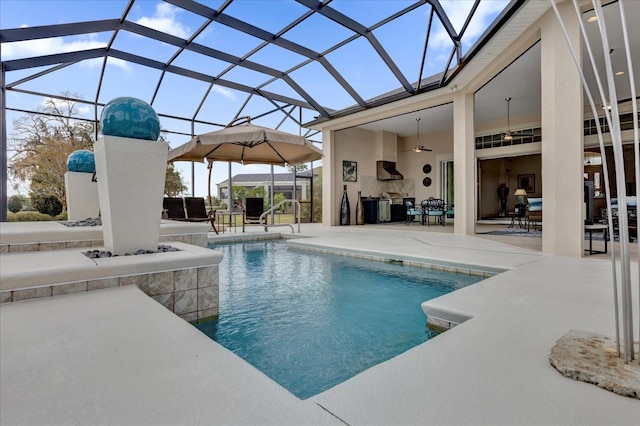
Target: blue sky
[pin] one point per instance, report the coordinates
(356, 61)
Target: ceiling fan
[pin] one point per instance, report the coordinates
(509, 134)
(418, 147)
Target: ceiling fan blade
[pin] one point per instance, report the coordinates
(418, 149)
(421, 148)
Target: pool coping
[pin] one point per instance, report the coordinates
(494, 366)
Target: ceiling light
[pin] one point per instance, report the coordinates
(592, 19)
(507, 135)
(417, 148)
(619, 73)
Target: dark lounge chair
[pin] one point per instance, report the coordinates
(189, 209)
(197, 212)
(173, 208)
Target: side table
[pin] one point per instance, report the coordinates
(590, 229)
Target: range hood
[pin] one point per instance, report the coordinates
(387, 171)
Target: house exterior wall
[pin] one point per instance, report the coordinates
(559, 173)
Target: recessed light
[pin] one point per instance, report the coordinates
(619, 72)
(592, 19)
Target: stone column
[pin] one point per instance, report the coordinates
(331, 190)
(464, 164)
(562, 137)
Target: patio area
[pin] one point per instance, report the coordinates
(115, 356)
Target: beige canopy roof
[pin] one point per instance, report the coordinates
(247, 144)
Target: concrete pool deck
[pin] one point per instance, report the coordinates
(115, 356)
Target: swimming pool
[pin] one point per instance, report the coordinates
(311, 320)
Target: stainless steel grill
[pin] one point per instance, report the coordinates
(394, 197)
(384, 210)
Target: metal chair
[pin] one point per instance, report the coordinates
(434, 207)
(412, 212)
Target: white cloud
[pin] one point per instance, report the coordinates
(54, 45)
(224, 92)
(164, 19)
(457, 11)
(63, 105)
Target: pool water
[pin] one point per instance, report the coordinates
(310, 321)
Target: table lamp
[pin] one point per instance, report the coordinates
(520, 193)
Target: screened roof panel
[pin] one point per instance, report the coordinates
(128, 79)
(485, 14)
(187, 98)
(221, 105)
(177, 132)
(318, 83)
(277, 57)
(247, 76)
(221, 37)
(457, 12)
(17, 76)
(255, 106)
(438, 51)
(367, 13)
(275, 120)
(270, 16)
(363, 68)
(30, 102)
(343, 54)
(53, 45)
(84, 87)
(318, 33)
(408, 31)
(166, 18)
(201, 63)
(213, 4)
(280, 86)
(143, 46)
(17, 13)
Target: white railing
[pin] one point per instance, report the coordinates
(262, 219)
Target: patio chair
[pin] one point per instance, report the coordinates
(534, 214)
(412, 212)
(632, 219)
(197, 212)
(436, 208)
(173, 208)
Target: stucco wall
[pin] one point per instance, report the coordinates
(494, 172)
(361, 145)
(411, 163)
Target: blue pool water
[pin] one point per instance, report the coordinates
(310, 321)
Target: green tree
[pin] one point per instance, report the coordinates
(239, 192)
(173, 184)
(14, 204)
(298, 168)
(277, 198)
(258, 191)
(41, 143)
(47, 204)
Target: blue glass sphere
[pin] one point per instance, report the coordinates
(81, 161)
(130, 118)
